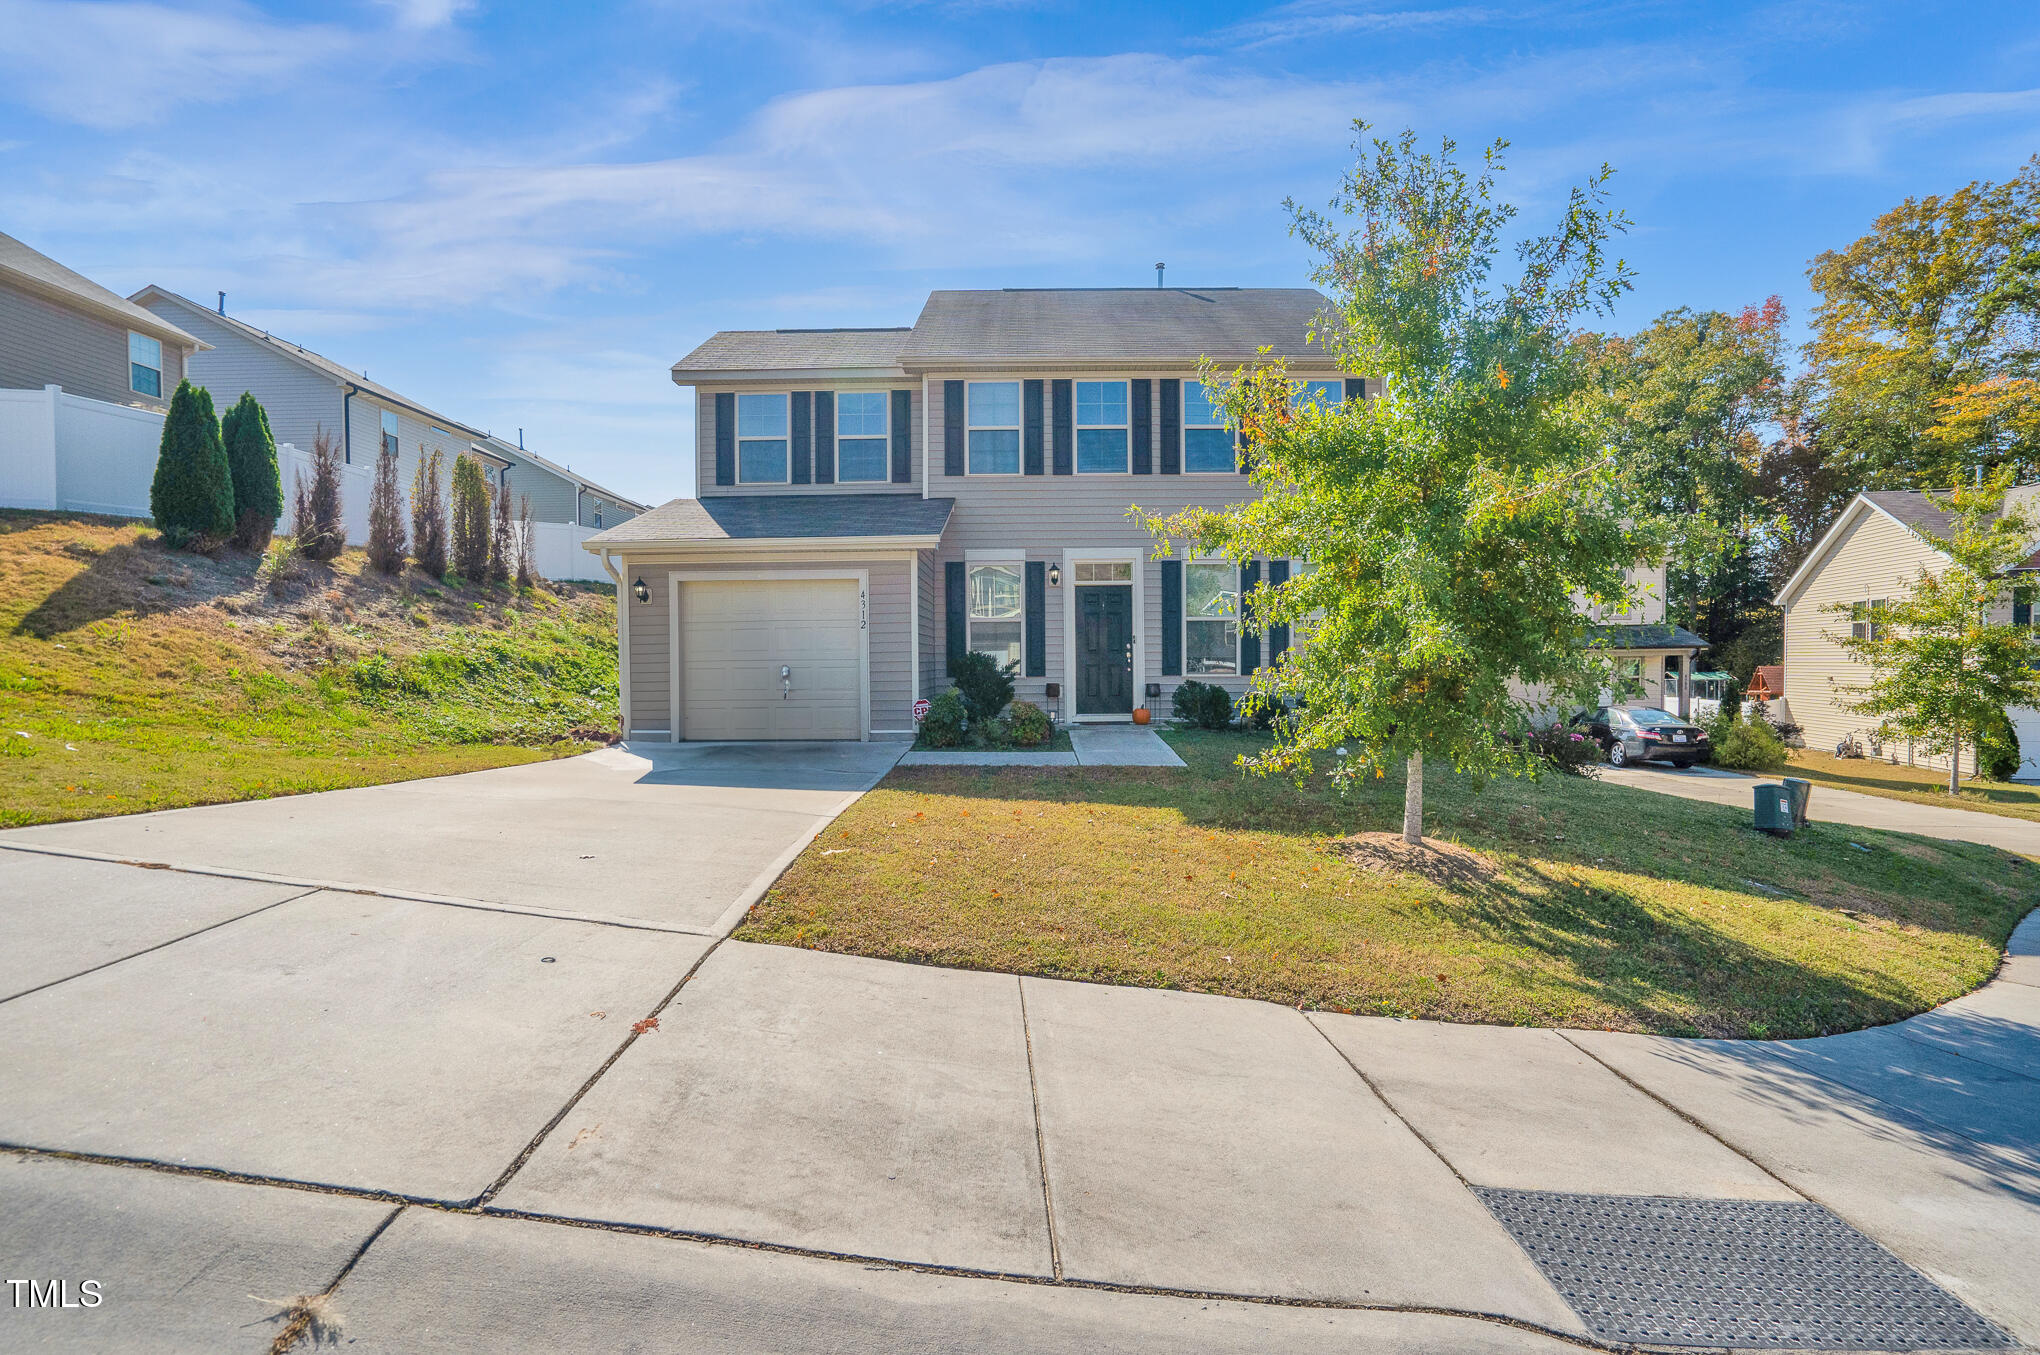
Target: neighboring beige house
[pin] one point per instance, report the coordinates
(1874, 553)
(874, 503)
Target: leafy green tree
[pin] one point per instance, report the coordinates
(1455, 522)
(192, 496)
(1947, 660)
(258, 484)
(470, 520)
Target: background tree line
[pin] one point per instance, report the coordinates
(1922, 371)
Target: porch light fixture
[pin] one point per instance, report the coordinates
(640, 591)
(1055, 576)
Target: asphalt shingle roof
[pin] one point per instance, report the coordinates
(764, 350)
(42, 273)
(1648, 637)
(779, 517)
(1915, 509)
(1178, 324)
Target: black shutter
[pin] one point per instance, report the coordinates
(952, 428)
(803, 438)
(1172, 427)
(1356, 388)
(1243, 457)
(954, 605)
(902, 437)
(2022, 606)
(1060, 434)
(1172, 617)
(1250, 645)
(825, 437)
(1030, 428)
(1142, 418)
(1278, 636)
(1036, 646)
(725, 438)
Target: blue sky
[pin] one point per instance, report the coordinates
(522, 215)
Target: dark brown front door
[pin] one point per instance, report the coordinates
(1105, 649)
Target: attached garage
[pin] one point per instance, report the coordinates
(774, 658)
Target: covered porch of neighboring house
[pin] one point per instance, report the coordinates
(1653, 666)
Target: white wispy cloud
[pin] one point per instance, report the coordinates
(426, 14)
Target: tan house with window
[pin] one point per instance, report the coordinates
(874, 503)
(60, 328)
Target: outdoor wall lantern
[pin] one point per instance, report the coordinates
(639, 591)
(1055, 576)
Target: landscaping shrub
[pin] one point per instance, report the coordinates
(1789, 733)
(1568, 750)
(1027, 724)
(1745, 745)
(192, 496)
(984, 685)
(527, 568)
(943, 725)
(470, 520)
(1997, 750)
(251, 467)
(386, 519)
(321, 535)
(502, 538)
(1203, 705)
(428, 516)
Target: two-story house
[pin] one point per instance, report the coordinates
(306, 393)
(874, 503)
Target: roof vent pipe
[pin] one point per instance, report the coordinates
(223, 303)
(520, 439)
(1158, 273)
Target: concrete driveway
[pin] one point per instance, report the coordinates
(470, 1059)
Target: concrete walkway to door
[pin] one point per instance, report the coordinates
(1090, 746)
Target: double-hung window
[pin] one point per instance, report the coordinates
(1866, 619)
(1211, 618)
(1324, 393)
(992, 424)
(145, 365)
(389, 433)
(1207, 441)
(762, 440)
(861, 431)
(996, 624)
(1101, 427)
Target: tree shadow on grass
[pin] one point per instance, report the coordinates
(133, 578)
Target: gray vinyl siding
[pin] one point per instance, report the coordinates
(704, 445)
(45, 343)
(613, 512)
(889, 617)
(299, 403)
(551, 495)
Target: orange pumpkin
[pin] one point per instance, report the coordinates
(1140, 715)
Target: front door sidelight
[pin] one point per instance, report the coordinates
(1105, 649)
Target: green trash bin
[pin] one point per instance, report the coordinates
(1802, 791)
(1774, 809)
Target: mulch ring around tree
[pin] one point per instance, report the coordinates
(1442, 863)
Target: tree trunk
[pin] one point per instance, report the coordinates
(1413, 800)
(1955, 762)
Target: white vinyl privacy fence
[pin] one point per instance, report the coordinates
(65, 452)
(556, 552)
(355, 483)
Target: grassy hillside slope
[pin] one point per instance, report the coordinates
(133, 677)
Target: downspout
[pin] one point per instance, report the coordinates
(623, 601)
(350, 390)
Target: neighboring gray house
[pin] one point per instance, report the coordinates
(60, 328)
(306, 393)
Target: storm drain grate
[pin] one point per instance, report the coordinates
(1751, 1273)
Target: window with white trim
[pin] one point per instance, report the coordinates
(1866, 619)
(1102, 428)
(1207, 440)
(862, 431)
(145, 365)
(389, 432)
(991, 423)
(763, 456)
(997, 621)
(1211, 618)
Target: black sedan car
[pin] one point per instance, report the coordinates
(1645, 735)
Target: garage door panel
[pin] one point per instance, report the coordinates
(734, 637)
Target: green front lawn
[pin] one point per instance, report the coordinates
(1609, 907)
(1921, 785)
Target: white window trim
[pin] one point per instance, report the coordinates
(885, 402)
(1077, 425)
(388, 433)
(737, 438)
(1870, 625)
(1239, 630)
(133, 389)
(1071, 558)
(1018, 429)
(1013, 560)
(1183, 427)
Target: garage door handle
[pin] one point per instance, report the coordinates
(785, 681)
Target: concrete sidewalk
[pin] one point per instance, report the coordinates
(1090, 746)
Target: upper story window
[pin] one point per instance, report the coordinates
(389, 433)
(598, 512)
(762, 440)
(1325, 393)
(1211, 618)
(145, 365)
(1207, 441)
(862, 435)
(992, 423)
(1101, 427)
(1866, 619)
(996, 622)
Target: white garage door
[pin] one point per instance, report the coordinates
(736, 636)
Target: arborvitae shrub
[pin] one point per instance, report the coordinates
(428, 516)
(502, 537)
(251, 462)
(527, 568)
(386, 518)
(192, 497)
(470, 520)
(320, 532)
